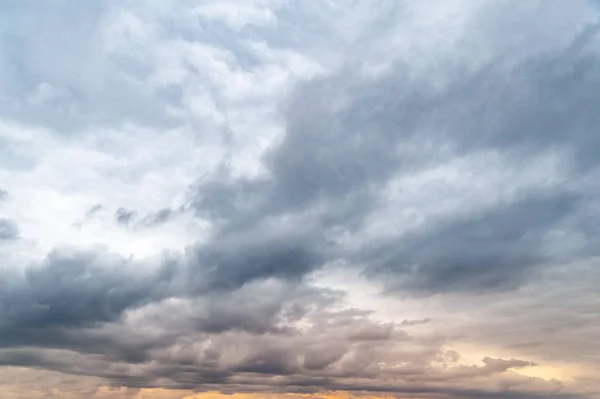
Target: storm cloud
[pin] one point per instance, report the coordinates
(381, 198)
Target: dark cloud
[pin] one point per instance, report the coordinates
(132, 219)
(503, 365)
(74, 290)
(233, 261)
(414, 322)
(125, 216)
(94, 210)
(543, 103)
(494, 249)
(337, 156)
(158, 218)
(236, 309)
(323, 349)
(8, 229)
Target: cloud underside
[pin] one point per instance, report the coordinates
(457, 172)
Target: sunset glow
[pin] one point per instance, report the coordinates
(299, 199)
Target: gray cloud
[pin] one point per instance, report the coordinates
(124, 216)
(233, 261)
(495, 249)
(94, 210)
(75, 84)
(158, 218)
(8, 229)
(236, 310)
(74, 290)
(334, 160)
(334, 350)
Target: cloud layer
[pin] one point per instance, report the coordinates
(380, 198)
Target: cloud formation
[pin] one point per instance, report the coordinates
(379, 198)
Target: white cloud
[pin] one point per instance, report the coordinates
(133, 105)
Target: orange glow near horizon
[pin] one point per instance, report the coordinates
(328, 395)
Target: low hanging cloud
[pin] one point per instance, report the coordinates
(224, 161)
(8, 229)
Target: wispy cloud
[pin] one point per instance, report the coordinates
(384, 198)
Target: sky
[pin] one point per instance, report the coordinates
(299, 199)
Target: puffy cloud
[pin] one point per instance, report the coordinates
(187, 177)
(8, 229)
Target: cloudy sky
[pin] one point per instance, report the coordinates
(296, 199)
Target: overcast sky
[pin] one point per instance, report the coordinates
(328, 198)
